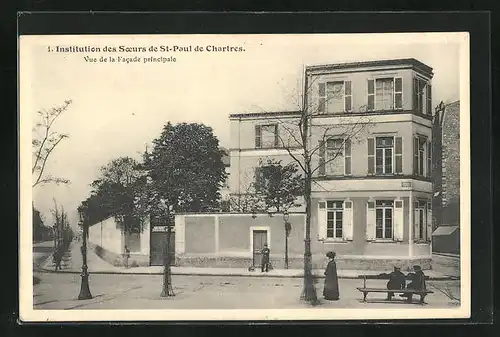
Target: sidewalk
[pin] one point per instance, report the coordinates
(96, 265)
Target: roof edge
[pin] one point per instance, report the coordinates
(376, 63)
(264, 114)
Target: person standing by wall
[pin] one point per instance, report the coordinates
(126, 257)
(265, 258)
(331, 289)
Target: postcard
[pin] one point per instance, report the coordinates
(244, 177)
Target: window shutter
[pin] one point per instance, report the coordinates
(398, 93)
(321, 168)
(371, 156)
(415, 155)
(371, 95)
(429, 221)
(429, 158)
(322, 97)
(347, 96)
(347, 220)
(399, 155)
(258, 137)
(429, 99)
(370, 220)
(347, 156)
(398, 220)
(416, 219)
(276, 136)
(322, 220)
(415, 94)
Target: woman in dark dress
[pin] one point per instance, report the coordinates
(331, 290)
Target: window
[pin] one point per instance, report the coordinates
(384, 219)
(266, 136)
(384, 154)
(334, 219)
(335, 156)
(260, 181)
(335, 97)
(385, 94)
(421, 156)
(420, 219)
(422, 96)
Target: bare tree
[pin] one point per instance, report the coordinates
(306, 140)
(44, 142)
(248, 201)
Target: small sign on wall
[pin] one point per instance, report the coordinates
(406, 184)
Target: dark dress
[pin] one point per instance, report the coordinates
(331, 290)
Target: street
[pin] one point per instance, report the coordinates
(59, 291)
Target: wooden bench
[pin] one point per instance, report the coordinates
(421, 293)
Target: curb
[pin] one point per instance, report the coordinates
(357, 277)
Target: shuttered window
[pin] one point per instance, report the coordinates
(321, 162)
(399, 155)
(348, 96)
(371, 156)
(371, 95)
(258, 137)
(321, 97)
(398, 93)
(347, 157)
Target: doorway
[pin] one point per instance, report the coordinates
(259, 239)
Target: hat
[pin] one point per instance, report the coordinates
(397, 268)
(330, 255)
(417, 268)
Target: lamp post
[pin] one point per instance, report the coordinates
(288, 228)
(84, 289)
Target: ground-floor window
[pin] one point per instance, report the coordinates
(334, 216)
(421, 211)
(384, 219)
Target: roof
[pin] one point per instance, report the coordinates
(445, 230)
(265, 114)
(379, 63)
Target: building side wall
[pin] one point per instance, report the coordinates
(451, 165)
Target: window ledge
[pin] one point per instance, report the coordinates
(336, 241)
(384, 241)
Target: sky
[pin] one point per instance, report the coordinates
(118, 108)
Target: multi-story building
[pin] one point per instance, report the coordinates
(370, 139)
(446, 178)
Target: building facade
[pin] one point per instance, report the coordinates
(370, 139)
(446, 177)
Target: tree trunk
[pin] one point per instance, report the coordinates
(167, 275)
(309, 291)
